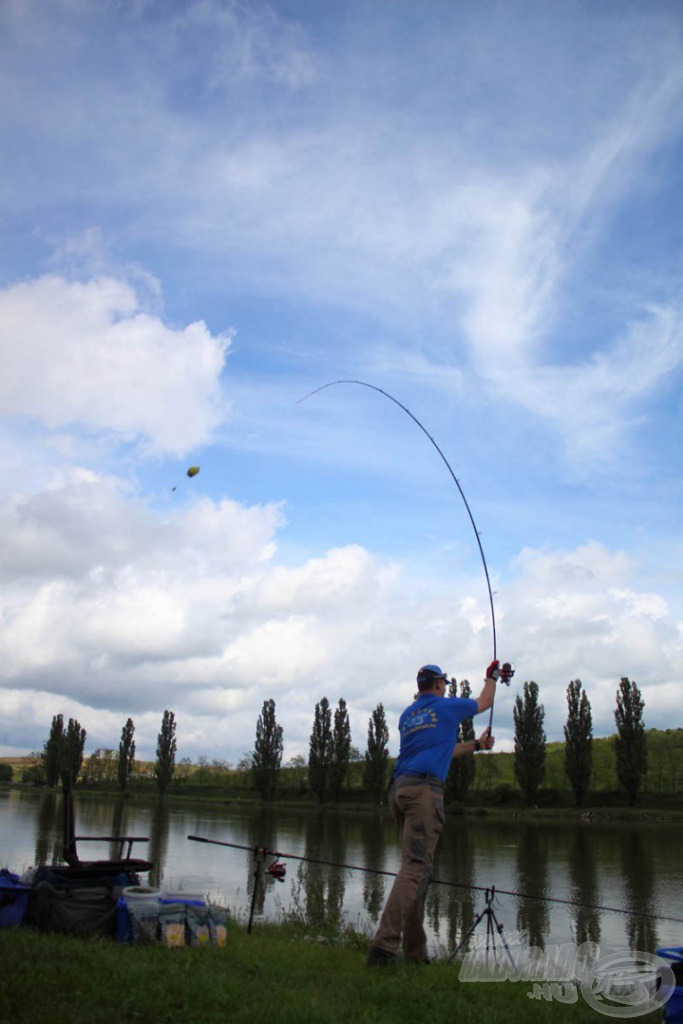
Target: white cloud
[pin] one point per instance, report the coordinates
(87, 354)
(453, 199)
(191, 610)
(517, 260)
(298, 168)
(581, 614)
(99, 581)
(324, 582)
(592, 404)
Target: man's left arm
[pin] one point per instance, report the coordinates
(484, 742)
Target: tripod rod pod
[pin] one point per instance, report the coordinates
(493, 925)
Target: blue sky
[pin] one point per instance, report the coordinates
(209, 209)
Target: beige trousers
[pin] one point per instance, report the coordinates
(419, 813)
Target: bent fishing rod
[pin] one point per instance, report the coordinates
(506, 671)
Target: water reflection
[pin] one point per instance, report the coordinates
(639, 877)
(93, 817)
(532, 880)
(458, 901)
(635, 866)
(584, 887)
(158, 843)
(373, 845)
(335, 850)
(48, 843)
(321, 886)
(119, 827)
(260, 832)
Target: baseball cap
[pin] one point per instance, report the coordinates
(430, 673)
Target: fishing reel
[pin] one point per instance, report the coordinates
(506, 672)
(277, 870)
(503, 672)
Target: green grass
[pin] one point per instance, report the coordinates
(276, 975)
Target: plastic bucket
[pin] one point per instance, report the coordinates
(140, 894)
(138, 914)
(673, 1008)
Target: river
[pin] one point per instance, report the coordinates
(633, 867)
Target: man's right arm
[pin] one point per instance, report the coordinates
(485, 698)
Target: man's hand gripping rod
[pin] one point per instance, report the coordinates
(504, 673)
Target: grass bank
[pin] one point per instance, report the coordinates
(277, 975)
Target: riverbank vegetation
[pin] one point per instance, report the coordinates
(494, 784)
(278, 974)
(583, 771)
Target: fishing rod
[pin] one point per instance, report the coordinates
(261, 851)
(506, 671)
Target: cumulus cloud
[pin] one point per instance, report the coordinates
(87, 354)
(436, 192)
(192, 610)
(185, 609)
(435, 197)
(99, 583)
(583, 614)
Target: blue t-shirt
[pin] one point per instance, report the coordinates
(429, 730)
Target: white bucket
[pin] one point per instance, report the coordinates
(140, 894)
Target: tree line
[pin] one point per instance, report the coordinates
(331, 753)
(530, 740)
(63, 751)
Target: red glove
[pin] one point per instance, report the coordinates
(493, 671)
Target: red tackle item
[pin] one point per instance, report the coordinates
(277, 870)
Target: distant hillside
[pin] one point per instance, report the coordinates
(664, 775)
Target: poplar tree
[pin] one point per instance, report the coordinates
(578, 735)
(52, 751)
(73, 744)
(630, 742)
(266, 759)
(126, 761)
(164, 766)
(529, 760)
(462, 770)
(340, 750)
(319, 749)
(376, 755)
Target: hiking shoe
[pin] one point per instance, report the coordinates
(380, 957)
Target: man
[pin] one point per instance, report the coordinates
(429, 731)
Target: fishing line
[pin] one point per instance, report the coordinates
(439, 881)
(424, 430)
